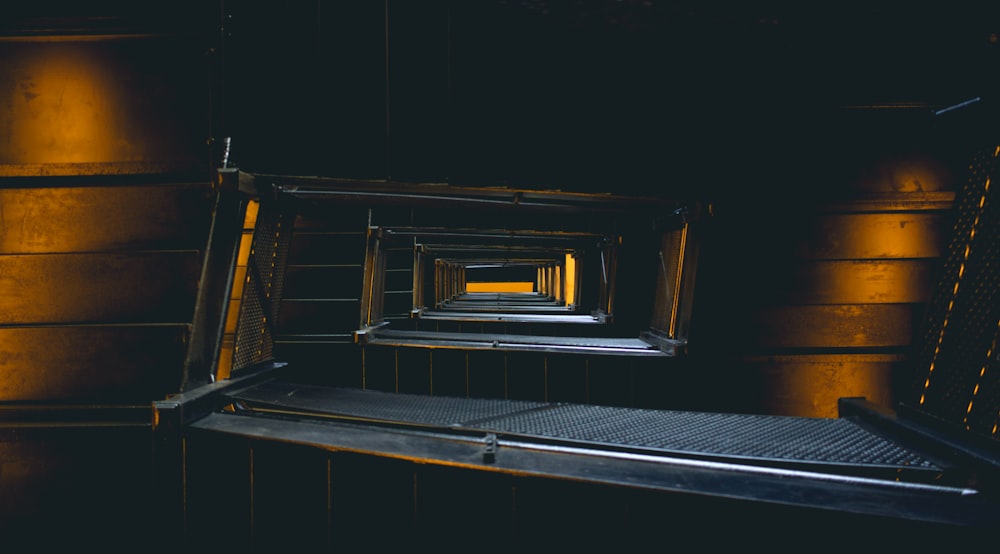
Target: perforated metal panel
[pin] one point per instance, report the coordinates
(957, 377)
(262, 290)
(817, 441)
(833, 441)
(373, 405)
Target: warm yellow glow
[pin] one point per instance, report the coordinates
(558, 278)
(502, 286)
(64, 108)
(236, 295)
(251, 216)
(570, 279)
(982, 374)
(810, 386)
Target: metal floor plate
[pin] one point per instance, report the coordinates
(592, 342)
(809, 441)
(434, 411)
(774, 438)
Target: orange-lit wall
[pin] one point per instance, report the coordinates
(105, 205)
(484, 286)
(83, 106)
(821, 299)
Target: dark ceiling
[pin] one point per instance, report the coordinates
(682, 96)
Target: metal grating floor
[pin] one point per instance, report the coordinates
(773, 438)
(499, 338)
(433, 411)
(809, 441)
